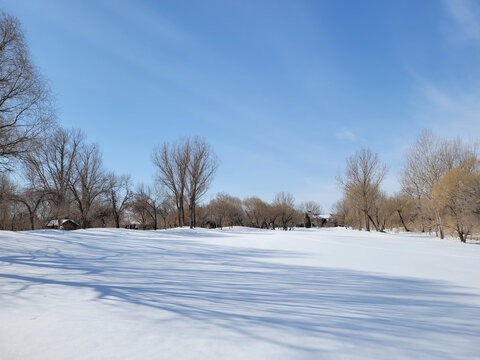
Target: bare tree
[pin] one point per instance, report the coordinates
(166, 209)
(310, 209)
(119, 193)
(149, 202)
(361, 184)
(456, 197)
(256, 211)
(25, 108)
(7, 207)
(284, 205)
(172, 162)
(404, 208)
(201, 169)
(427, 160)
(88, 181)
(226, 210)
(32, 200)
(341, 211)
(52, 167)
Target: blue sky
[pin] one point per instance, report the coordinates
(283, 90)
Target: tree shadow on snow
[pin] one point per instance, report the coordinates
(240, 289)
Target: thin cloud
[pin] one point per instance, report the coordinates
(449, 113)
(346, 135)
(466, 14)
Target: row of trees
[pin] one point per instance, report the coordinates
(440, 190)
(65, 179)
(59, 174)
(282, 212)
(225, 210)
(62, 178)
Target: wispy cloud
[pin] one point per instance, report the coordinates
(346, 135)
(466, 13)
(448, 112)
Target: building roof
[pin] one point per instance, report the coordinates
(55, 222)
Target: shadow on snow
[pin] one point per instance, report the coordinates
(240, 289)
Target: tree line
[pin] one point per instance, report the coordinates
(440, 190)
(51, 173)
(63, 178)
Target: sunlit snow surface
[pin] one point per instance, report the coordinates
(237, 294)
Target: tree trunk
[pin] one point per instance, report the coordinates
(194, 213)
(182, 212)
(32, 221)
(403, 222)
(367, 222)
(190, 207)
(439, 224)
(373, 222)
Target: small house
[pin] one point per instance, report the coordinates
(67, 224)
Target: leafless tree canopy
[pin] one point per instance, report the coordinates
(149, 205)
(427, 161)
(440, 190)
(361, 181)
(25, 107)
(171, 161)
(284, 206)
(201, 169)
(88, 180)
(118, 195)
(186, 169)
(52, 167)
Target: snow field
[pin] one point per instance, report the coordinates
(237, 293)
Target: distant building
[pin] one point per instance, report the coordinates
(67, 224)
(133, 224)
(323, 220)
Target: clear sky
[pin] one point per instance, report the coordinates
(283, 90)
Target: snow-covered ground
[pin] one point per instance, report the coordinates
(237, 294)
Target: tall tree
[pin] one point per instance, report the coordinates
(149, 202)
(361, 181)
(32, 200)
(427, 161)
(456, 197)
(52, 167)
(119, 193)
(25, 106)
(256, 211)
(7, 207)
(284, 205)
(171, 173)
(88, 181)
(201, 170)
